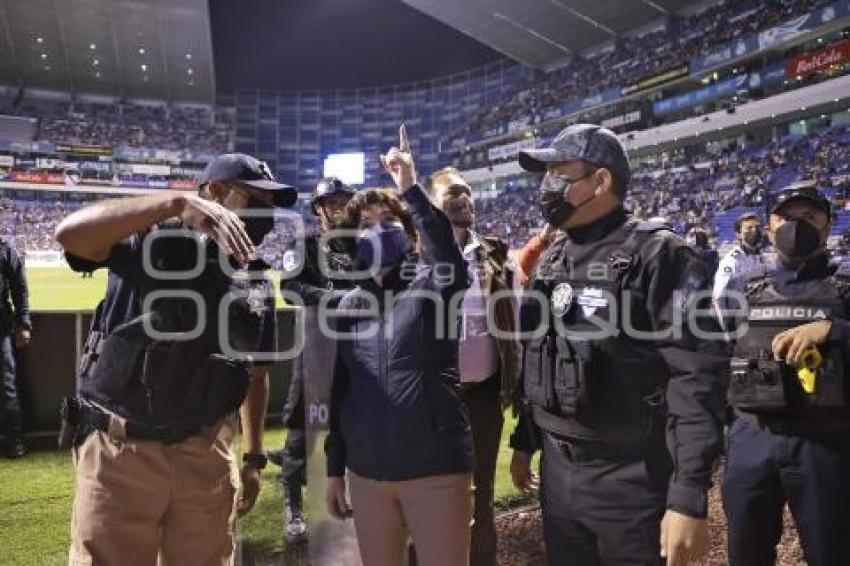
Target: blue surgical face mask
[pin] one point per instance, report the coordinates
(382, 247)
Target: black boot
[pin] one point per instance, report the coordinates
(295, 524)
(15, 447)
(275, 457)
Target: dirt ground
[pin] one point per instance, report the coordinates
(521, 538)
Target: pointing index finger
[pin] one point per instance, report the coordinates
(404, 144)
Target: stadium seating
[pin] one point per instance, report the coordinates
(155, 126)
(632, 58)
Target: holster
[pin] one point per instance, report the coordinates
(757, 383)
(761, 384)
(73, 425)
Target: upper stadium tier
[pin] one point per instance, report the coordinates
(676, 65)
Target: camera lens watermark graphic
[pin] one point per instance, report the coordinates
(154, 259)
(182, 335)
(226, 331)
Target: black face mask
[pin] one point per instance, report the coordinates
(753, 239)
(257, 227)
(797, 239)
(554, 206)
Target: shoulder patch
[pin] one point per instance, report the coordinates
(291, 260)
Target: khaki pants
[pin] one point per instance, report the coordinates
(436, 511)
(137, 501)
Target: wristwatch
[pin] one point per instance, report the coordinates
(258, 461)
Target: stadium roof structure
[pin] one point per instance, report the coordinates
(544, 33)
(335, 44)
(157, 49)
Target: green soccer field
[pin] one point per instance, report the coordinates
(59, 288)
(36, 495)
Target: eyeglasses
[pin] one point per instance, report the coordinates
(558, 184)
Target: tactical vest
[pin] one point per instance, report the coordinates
(192, 374)
(606, 387)
(758, 383)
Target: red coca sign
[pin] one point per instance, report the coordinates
(29, 176)
(816, 61)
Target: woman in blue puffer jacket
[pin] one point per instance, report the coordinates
(398, 424)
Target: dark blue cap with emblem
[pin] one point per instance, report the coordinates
(327, 187)
(248, 171)
(581, 142)
(802, 191)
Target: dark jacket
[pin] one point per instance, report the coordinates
(396, 411)
(498, 277)
(305, 277)
(710, 257)
(14, 313)
(686, 372)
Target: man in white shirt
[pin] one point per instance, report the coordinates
(745, 257)
(488, 366)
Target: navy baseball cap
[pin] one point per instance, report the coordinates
(581, 142)
(248, 171)
(806, 191)
(327, 187)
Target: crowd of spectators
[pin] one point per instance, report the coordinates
(157, 126)
(690, 192)
(29, 224)
(686, 192)
(629, 59)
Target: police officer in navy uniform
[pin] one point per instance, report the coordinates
(304, 276)
(625, 402)
(15, 328)
(179, 343)
(790, 442)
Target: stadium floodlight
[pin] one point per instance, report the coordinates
(350, 168)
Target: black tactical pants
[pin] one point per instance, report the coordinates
(10, 403)
(293, 468)
(601, 506)
(764, 471)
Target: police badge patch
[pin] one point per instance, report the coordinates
(562, 298)
(291, 260)
(591, 299)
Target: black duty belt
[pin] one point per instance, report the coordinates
(97, 419)
(818, 426)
